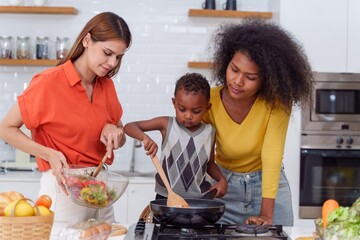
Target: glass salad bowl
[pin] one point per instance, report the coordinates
(94, 192)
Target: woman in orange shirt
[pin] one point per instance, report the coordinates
(73, 111)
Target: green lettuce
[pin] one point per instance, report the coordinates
(344, 223)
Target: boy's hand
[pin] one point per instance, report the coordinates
(220, 187)
(150, 146)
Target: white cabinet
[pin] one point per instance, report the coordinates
(354, 36)
(328, 31)
(136, 197)
(26, 183)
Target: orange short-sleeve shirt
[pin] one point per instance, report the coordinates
(56, 109)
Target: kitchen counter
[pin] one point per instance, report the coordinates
(295, 232)
(57, 226)
(34, 176)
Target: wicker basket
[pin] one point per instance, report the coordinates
(26, 228)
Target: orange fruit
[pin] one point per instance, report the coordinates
(328, 206)
(44, 200)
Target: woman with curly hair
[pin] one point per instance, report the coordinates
(260, 73)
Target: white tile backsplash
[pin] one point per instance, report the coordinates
(164, 39)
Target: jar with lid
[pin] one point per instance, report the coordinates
(23, 47)
(5, 46)
(62, 47)
(42, 47)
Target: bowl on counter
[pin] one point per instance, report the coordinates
(94, 192)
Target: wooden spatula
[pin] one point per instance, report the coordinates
(173, 200)
(99, 167)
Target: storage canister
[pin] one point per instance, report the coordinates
(23, 47)
(5, 46)
(62, 47)
(42, 47)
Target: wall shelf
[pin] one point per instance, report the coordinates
(200, 64)
(38, 10)
(29, 62)
(228, 13)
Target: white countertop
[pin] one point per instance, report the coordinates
(57, 226)
(295, 232)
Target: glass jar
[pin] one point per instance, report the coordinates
(23, 47)
(42, 47)
(62, 47)
(5, 46)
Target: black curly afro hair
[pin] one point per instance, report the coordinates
(285, 72)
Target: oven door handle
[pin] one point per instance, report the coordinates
(330, 153)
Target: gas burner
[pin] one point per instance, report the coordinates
(252, 229)
(207, 232)
(187, 231)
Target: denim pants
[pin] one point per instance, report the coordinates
(243, 198)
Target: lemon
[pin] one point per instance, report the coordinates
(22, 208)
(43, 211)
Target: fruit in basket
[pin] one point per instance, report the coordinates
(8, 197)
(22, 208)
(328, 206)
(44, 200)
(42, 210)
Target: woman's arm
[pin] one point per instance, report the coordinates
(266, 213)
(10, 132)
(271, 156)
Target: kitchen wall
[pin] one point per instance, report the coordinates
(165, 38)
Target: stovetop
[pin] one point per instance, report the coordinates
(150, 231)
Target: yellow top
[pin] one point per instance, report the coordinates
(255, 144)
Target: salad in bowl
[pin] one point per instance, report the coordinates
(94, 192)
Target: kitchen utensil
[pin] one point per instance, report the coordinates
(173, 199)
(200, 212)
(99, 167)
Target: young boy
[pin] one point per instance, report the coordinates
(187, 151)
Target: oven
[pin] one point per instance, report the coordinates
(330, 143)
(329, 168)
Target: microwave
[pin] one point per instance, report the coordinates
(335, 103)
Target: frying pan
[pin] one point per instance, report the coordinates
(200, 212)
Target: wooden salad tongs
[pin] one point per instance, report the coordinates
(173, 200)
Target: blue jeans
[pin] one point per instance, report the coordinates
(243, 198)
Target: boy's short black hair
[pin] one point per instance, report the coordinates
(193, 82)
